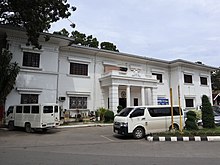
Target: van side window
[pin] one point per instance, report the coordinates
(158, 112)
(176, 111)
(48, 109)
(27, 109)
(165, 111)
(138, 112)
(19, 109)
(35, 109)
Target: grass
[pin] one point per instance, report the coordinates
(200, 132)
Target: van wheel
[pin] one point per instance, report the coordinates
(138, 133)
(28, 128)
(175, 128)
(11, 126)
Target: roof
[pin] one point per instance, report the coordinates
(68, 39)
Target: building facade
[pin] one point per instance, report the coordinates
(83, 79)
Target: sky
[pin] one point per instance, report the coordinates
(161, 29)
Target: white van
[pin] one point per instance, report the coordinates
(142, 120)
(33, 116)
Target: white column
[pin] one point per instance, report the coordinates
(113, 98)
(154, 96)
(143, 95)
(128, 95)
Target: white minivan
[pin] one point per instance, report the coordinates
(142, 120)
(33, 116)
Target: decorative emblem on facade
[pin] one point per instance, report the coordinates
(123, 94)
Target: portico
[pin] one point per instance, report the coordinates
(120, 88)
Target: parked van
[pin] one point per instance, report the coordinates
(33, 116)
(142, 120)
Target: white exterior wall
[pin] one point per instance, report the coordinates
(52, 80)
(42, 81)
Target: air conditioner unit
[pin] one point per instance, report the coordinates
(62, 98)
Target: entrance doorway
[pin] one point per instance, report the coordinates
(123, 102)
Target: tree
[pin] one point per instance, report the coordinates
(82, 39)
(109, 46)
(207, 113)
(62, 32)
(191, 121)
(8, 72)
(33, 15)
(215, 77)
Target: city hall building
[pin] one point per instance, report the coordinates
(82, 79)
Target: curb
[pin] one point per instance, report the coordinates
(84, 125)
(175, 139)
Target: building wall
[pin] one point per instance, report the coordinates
(53, 80)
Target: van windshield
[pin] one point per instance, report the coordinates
(124, 112)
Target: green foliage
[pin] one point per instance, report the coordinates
(119, 108)
(33, 15)
(207, 113)
(190, 123)
(62, 32)
(198, 114)
(82, 39)
(215, 77)
(8, 74)
(109, 46)
(109, 116)
(101, 112)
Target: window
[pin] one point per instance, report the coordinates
(189, 103)
(159, 77)
(138, 112)
(79, 69)
(203, 81)
(19, 109)
(35, 109)
(78, 103)
(29, 98)
(187, 78)
(48, 109)
(27, 109)
(165, 111)
(31, 59)
(56, 109)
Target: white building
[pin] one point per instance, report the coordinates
(83, 79)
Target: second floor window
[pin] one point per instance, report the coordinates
(29, 98)
(31, 59)
(203, 81)
(187, 78)
(79, 69)
(159, 77)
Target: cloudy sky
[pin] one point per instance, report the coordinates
(162, 29)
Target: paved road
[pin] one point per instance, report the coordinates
(98, 146)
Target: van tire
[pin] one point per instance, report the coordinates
(11, 126)
(28, 128)
(138, 133)
(175, 127)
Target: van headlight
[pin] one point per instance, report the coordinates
(124, 124)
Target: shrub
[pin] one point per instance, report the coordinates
(191, 121)
(109, 116)
(101, 112)
(119, 108)
(207, 113)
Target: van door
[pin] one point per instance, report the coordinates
(159, 119)
(48, 115)
(136, 118)
(10, 114)
(56, 114)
